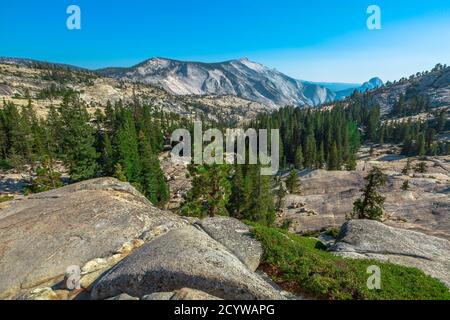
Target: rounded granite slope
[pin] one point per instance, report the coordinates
(45, 233)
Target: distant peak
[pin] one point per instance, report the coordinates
(376, 80)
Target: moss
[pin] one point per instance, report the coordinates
(301, 265)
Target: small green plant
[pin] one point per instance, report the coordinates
(405, 185)
(407, 169)
(293, 182)
(333, 232)
(118, 173)
(47, 178)
(286, 225)
(421, 167)
(6, 198)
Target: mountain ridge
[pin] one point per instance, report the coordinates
(240, 77)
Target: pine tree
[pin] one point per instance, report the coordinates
(310, 151)
(259, 199)
(351, 163)
(333, 158)
(407, 169)
(421, 145)
(128, 149)
(421, 167)
(107, 155)
(47, 178)
(320, 157)
(237, 198)
(293, 182)
(370, 206)
(346, 146)
(118, 173)
(298, 162)
(373, 124)
(78, 139)
(152, 180)
(210, 191)
(405, 185)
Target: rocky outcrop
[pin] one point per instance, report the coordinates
(177, 177)
(185, 257)
(236, 237)
(123, 297)
(182, 294)
(45, 233)
(365, 239)
(423, 208)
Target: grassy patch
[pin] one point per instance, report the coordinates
(302, 265)
(6, 198)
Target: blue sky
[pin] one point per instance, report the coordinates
(320, 40)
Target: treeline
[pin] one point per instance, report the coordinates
(64, 74)
(124, 142)
(316, 139)
(418, 138)
(410, 105)
(53, 91)
(330, 138)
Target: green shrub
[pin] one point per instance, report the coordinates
(5, 164)
(303, 266)
(333, 232)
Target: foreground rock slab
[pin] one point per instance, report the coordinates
(370, 239)
(236, 236)
(182, 294)
(183, 258)
(45, 233)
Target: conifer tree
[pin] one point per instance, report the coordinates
(298, 162)
(351, 163)
(127, 148)
(259, 199)
(405, 185)
(210, 191)
(333, 158)
(118, 173)
(78, 139)
(107, 155)
(370, 206)
(293, 182)
(237, 198)
(421, 167)
(152, 180)
(47, 178)
(421, 145)
(407, 169)
(310, 151)
(320, 157)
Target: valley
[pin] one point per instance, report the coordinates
(87, 180)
